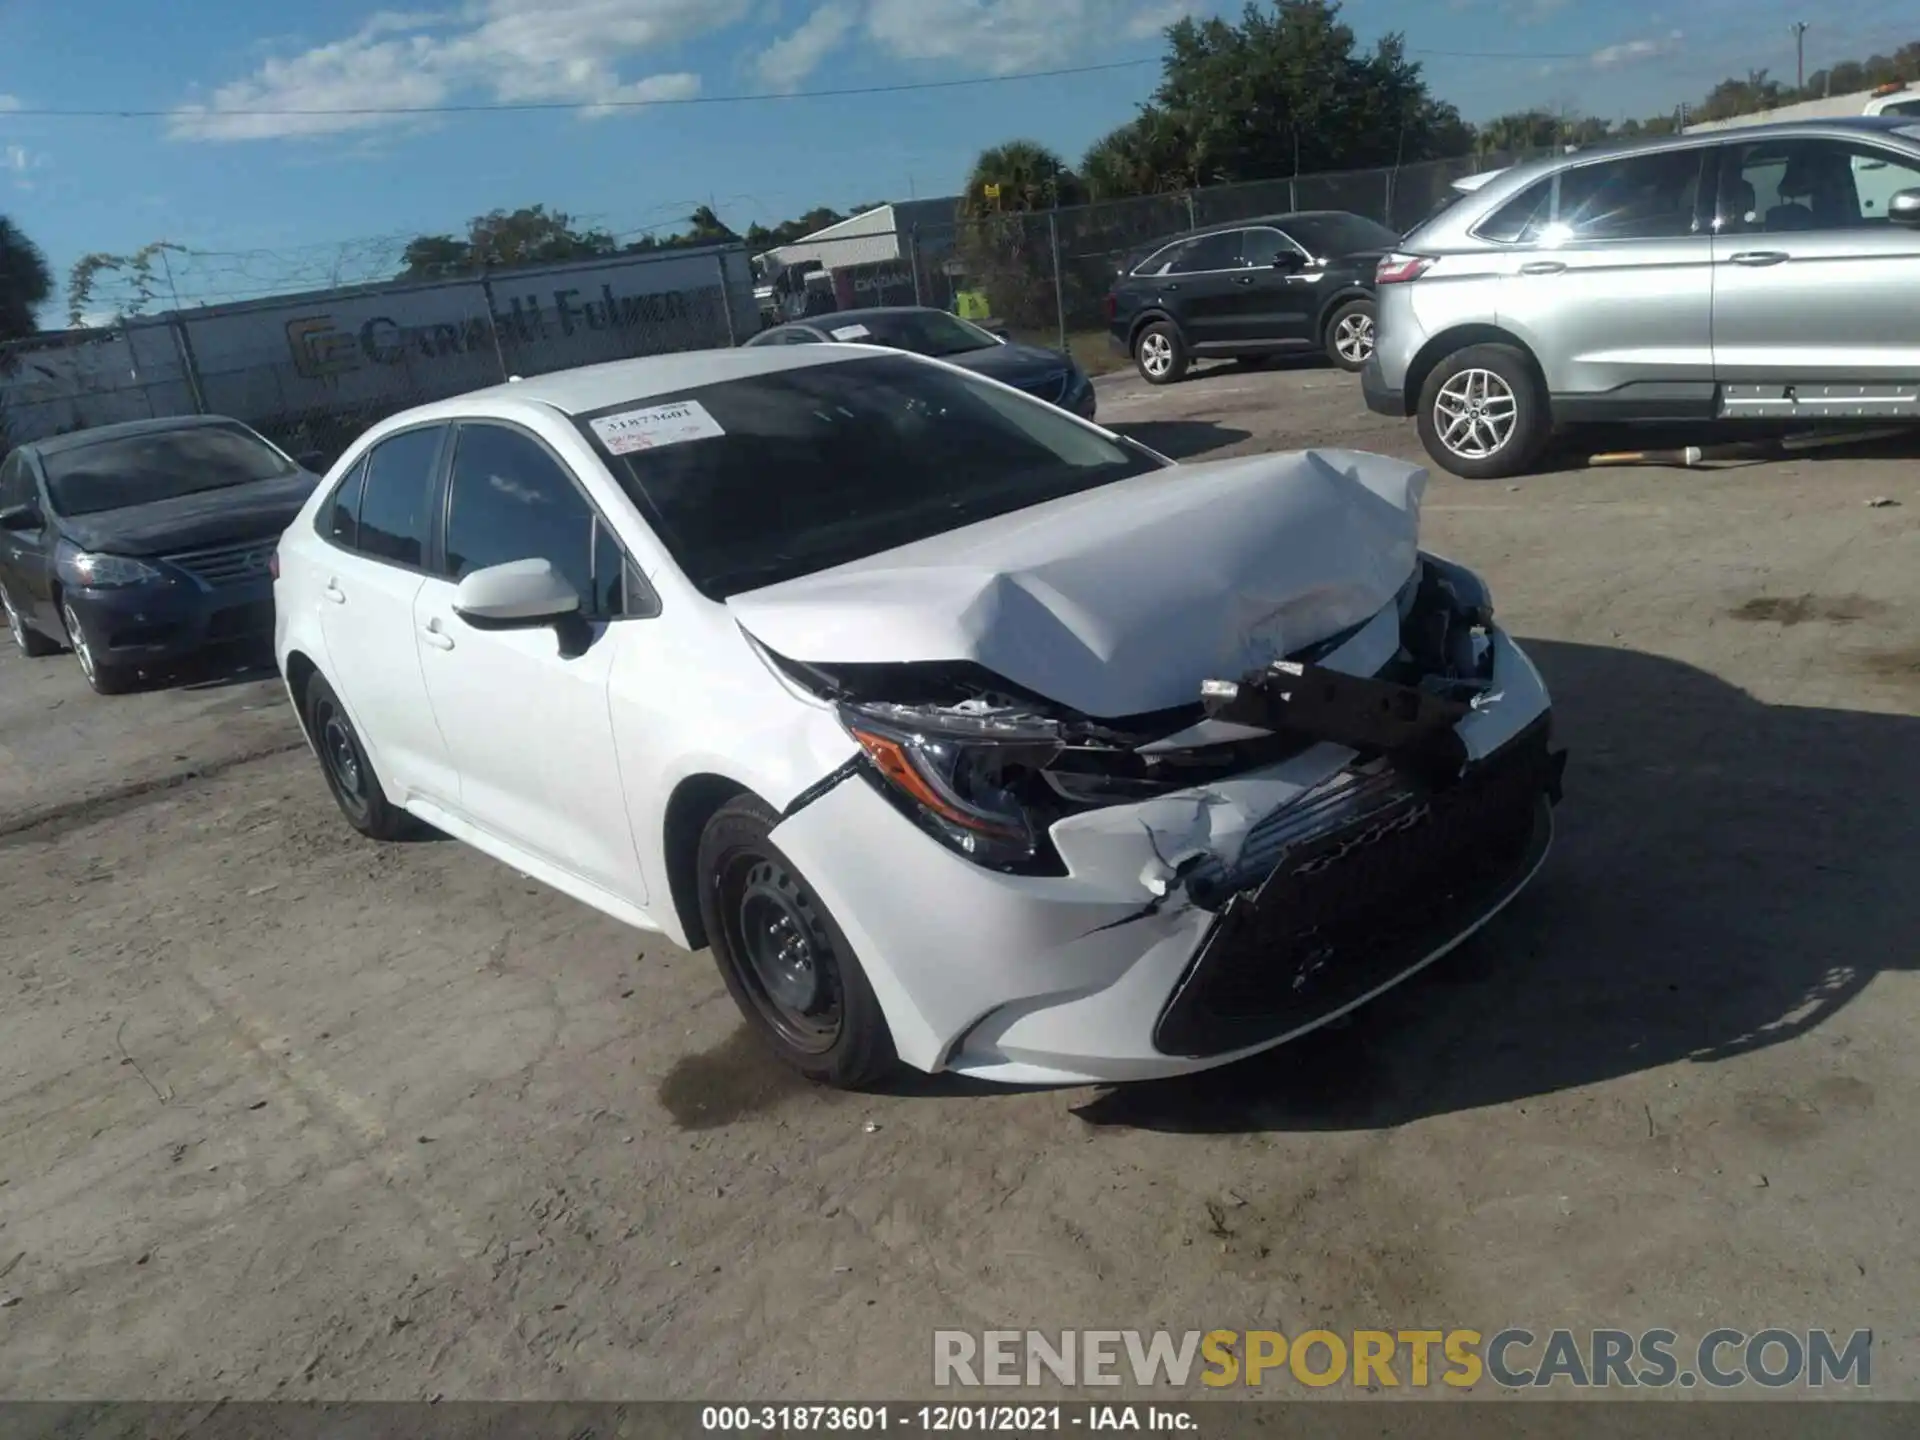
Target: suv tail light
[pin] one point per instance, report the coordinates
(273, 564)
(1399, 269)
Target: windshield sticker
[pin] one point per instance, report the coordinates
(634, 430)
(851, 332)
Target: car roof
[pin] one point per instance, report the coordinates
(838, 318)
(79, 439)
(1252, 221)
(589, 388)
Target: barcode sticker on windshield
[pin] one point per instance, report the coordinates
(851, 332)
(635, 430)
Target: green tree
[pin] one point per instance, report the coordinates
(1019, 175)
(25, 282)
(1149, 155)
(137, 286)
(533, 235)
(436, 257)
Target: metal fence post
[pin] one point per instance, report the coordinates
(493, 323)
(1193, 215)
(913, 259)
(726, 297)
(1059, 285)
(189, 366)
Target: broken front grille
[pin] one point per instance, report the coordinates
(1352, 907)
(222, 565)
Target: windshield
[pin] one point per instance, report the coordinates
(924, 332)
(160, 465)
(1331, 236)
(763, 479)
(1901, 107)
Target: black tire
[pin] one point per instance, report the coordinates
(1350, 335)
(27, 640)
(1160, 354)
(104, 679)
(785, 960)
(350, 778)
(1525, 399)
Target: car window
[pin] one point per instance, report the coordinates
(117, 472)
(510, 499)
(1901, 107)
(1633, 197)
(769, 477)
(340, 517)
(1160, 260)
(1333, 236)
(1259, 248)
(1521, 219)
(1800, 185)
(1208, 252)
(393, 502)
(16, 486)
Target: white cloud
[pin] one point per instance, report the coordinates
(1004, 36)
(792, 58)
(1630, 50)
(511, 51)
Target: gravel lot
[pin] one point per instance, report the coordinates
(287, 1114)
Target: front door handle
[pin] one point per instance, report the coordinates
(1544, 267)
(435, 636)
(1759, 257)
(1243, 279)
(334, 593)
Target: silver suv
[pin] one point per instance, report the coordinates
(1771, 272)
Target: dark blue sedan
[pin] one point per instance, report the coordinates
(1044, 374)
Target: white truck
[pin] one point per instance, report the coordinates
(1899, 98)
(311, 371)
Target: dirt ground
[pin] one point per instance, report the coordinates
(288, 1114)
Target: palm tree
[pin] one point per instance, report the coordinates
(25, 282)
(1029, 177)
(1145, 156)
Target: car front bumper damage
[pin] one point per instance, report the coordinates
(1200, 926)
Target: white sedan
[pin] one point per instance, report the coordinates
(965, 732)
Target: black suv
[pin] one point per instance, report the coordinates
(1276, 285)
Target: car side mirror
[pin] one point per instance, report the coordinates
(20, 518)
(1904, 207)
(1289, 262)
(520, 595)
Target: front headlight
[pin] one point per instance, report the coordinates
(101, 572)
(958, 775)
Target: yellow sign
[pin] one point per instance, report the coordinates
(992, 192)
(972, 305)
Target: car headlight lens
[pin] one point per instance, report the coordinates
(958, 775)
(101, 572)
(1468, 591)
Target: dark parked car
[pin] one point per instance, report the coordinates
(1045, 374)
(139, 545)
(1278, 285)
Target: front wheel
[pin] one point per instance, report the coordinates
(27, 640)
(105, 679)
(784, 959)
(1483, 413)
(1350, 335)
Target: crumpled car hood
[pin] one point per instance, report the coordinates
(1121, 600)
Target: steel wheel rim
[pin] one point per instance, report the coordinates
(77, 638)
(341, 757)
(781, 952)
(1475, 414)
(1156, 354)
(16, 627)
(1353, 338)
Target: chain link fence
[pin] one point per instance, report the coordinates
(312, 371)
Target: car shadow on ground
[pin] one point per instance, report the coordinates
(1181, 439)
(1728, 875)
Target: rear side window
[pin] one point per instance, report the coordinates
(1636, 197)
(340, 520)
(393, 503)
(1521, 218)
(1209, 252)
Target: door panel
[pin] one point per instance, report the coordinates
(1812, 284)
(377, 526)
(1199, 287)
(1272, 306)
(1613, 280)
(526, 721)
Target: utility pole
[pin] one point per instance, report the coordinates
(1799, 28)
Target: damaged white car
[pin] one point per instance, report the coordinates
(964, 732)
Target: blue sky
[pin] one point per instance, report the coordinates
(296, 200)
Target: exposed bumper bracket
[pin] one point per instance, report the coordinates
(1413, 726)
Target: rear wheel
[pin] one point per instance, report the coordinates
(343, 760)
(1350, 335)
(104, 678)
(1160, 352)
(784, 959)
(26, 639)
(1483, 413)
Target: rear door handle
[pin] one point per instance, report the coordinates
(1543, 267)
(1759, 257)
(334, 593)
(1243, 279)
(435, 636)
